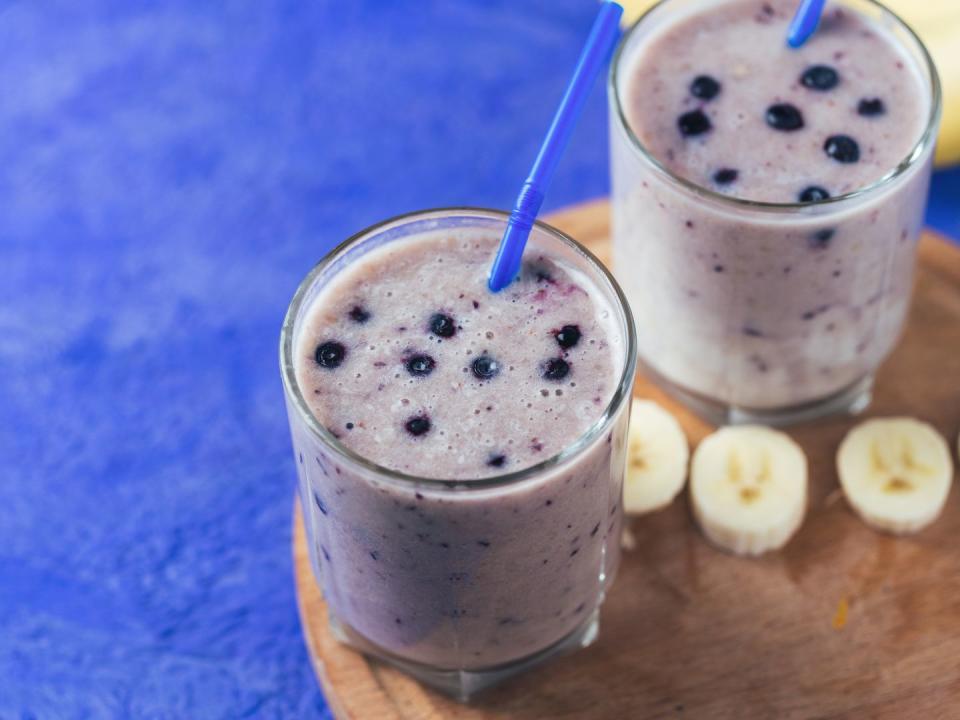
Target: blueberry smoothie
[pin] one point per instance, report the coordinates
(461, 456)
(768, 200)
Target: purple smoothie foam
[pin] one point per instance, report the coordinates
(721, 100)
(432, 375)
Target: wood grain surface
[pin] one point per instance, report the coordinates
(690, 632)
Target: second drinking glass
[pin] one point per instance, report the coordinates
(767, 311)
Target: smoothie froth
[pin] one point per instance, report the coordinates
(440, 378)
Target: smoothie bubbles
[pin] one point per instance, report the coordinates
(767, 200)
(460, 452)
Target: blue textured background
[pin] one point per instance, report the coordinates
(168, 173)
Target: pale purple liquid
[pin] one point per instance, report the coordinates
(381, 312)
(742, 306)
(460, 578)
(741, 45)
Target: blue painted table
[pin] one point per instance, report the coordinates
(169, 173)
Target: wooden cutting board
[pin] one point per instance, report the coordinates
(690, 632)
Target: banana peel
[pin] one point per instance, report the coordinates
(937, 22)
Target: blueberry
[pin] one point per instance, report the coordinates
(568, 336)
(725, 176)
(820, 240)
(693, 123)
(820, 77)
(330, 354)
(485, 367)
(555, 369)
(442, 325)
(497, 460)
(814, 193)
(871, 107)
(359, 314)
(704, 87)
(811, 314)
(420, 365)
(418, 425)
(784, 116)
(541, 274)
(842, 148)
(321, 506)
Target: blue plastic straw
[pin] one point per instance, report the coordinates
(603, 36)
(804, 22)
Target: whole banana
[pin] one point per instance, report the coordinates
(937, 22)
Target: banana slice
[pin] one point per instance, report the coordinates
(896, 473)
(748, 487)
(657, 455)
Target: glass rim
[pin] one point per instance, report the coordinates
(622, 393)
(925, 142)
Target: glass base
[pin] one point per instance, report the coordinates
(463, 684)
(852, 400)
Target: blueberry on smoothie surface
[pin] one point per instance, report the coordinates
(568, 336)
(704, 87)
(813, 193)
(420, 364)
(693, 123)
(820, 77)
(330, 354)
(871, 107)
(497, 460)
(541, 275)
(442, 325)
(842, 148)
(555, 369)
(725, 176)
(485, 367)
(785, 117)
(418, 425)
(359, 314)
